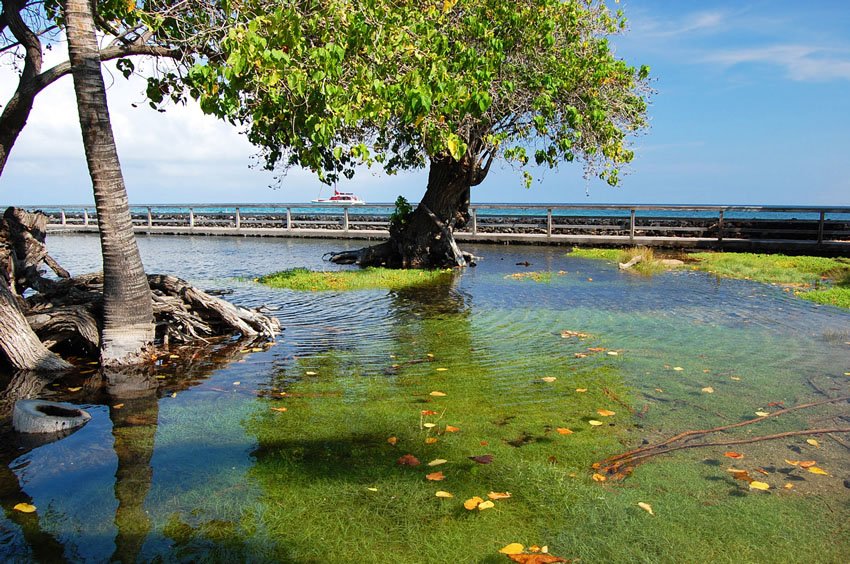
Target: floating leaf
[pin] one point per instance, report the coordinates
(174, 394)
(595, 423)
(438, 394)
(472, 502)
(762, 471)
(548, 379)
(754, 485)
(581, 390)
(392, 440)
(428, 412)
(579, 355)
(435, 476)
(775, 404)
(237, 383)
(597, 477)
(566, 334)
(535, 558)
(646, 507)
(612, 353)
(816, 470)
(431, 440)
(441, 369)
(482, 459)
(762, 413)
(429, 425)
(77, 389)
(278, 409)
(437, 462)
(513, 548)
(499, 495)
(372, 489)
(678, 368)
(443, 494)
(792, 462)
(118, 406)
(408, 460)
(486, 505)
(807, 463)
(788, 486)
(452, 429)
(732, 454)
(735, 378)
(596, 349)
(708, 390)
(25, 508)
(813, 442)
(311, 373)
(564, 431)
(605, 412)
(533, 548)
(742, 475)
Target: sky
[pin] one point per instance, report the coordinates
(751, 106)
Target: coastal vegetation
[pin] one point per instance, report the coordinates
(365, 279)
(819, 279)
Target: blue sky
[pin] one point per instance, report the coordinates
(752, 106)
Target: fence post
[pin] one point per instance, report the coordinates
(191, 218)
(820, 227)
(549, 222)
(62, 217)
(345, 219)
(150, 219)
(632, 225)
(474, 222)
(720, 227)
(289, 219)
(85, 216)
(238, 219)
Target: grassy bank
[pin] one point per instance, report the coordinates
(818, 279)
(365, 279)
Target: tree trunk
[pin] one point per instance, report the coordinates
(21, 345)
(127, 306)
(426, 238)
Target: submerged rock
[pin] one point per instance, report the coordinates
(41, 416)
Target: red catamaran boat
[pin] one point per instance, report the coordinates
(343, 198)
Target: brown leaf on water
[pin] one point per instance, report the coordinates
(428, 412)
(499, 495)
(452, 429)
(762, 471)
(484, 443)
(482, 459)
(775, 404)
(472, 503)
(564, 431)
(538, 558)
(738, 474)
(733, 454)
(807, 463)
(605, 412)
(408, 460)
(596, 349)
(435, 476)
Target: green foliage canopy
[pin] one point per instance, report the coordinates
(330, 84)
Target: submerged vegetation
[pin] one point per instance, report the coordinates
(360, 279)
(818, 279)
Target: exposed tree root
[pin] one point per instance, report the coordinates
(621, 464)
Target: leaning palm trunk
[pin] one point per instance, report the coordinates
(127, 309)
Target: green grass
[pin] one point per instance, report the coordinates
(818, 279)
(365, 279)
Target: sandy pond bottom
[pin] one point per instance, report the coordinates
(197, 459)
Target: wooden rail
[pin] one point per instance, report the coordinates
(792, 228)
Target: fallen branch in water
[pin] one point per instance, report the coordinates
(613, 464)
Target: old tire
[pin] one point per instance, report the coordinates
(40, 416)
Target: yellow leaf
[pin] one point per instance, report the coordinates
(813, 442)
(646, 507)
(792, 462)
(237, 383)
(174, 394)
(429, 425)
(708, 390)
(437, 462)
(173, 356)
(581, 390)
(816, 470)
(447, 6)
(392, 440)
(754, 485)
(595, 423)
(612, 353)
(678, 368)
(441, 369)
(564, 431)
(597, 477)
(438, 394)
(499, 495)
(441, 493)
(430, 440)
(548, 379)
(257, 349)
(513, 548)
(762, 413)
(280, 409)
(311, 373)
(372, 489)
(605, 412)
(788, 486)
(118, 406)
(435, 476)
(486, 505)
(77, 389)
(452, 429)
(472, 502)
(25, 508)
(735, 378)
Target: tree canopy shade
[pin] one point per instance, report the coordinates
(331, 84)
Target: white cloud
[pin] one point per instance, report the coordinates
(653, 27)
(800, 62)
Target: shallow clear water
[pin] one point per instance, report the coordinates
(177, 472)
